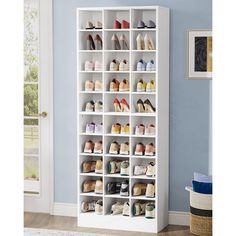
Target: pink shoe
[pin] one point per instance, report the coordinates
(89, 66)
(98, 66)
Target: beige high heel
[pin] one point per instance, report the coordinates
(115, 42)
(124, 105)
(124, 42)
(140, 106)
(140, 42)
(148, 43)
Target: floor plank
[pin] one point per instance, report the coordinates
(46, 221)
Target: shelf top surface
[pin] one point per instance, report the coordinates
(121, 8)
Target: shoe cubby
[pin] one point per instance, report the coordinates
(109, 74)
(140, 211)
(120, 38)
(115, 15)
(144, 15)
(93, 16)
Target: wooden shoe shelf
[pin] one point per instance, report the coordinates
(159, 99)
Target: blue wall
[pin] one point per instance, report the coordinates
(189, 100)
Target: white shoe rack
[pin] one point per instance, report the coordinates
(159, 99)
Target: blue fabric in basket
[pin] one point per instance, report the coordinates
(201, 187)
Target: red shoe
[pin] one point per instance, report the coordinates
(116, 24)
(124, 24)
(124, 105)
(117, 106)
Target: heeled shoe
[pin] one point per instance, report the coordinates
(117, 106)
(115, 42)
(90, 43)
(148, 43)
(124, 105)
(124, 43)
(140, 106)
(148, 106)
(124, 24)
(98, 42)
(116, 24)
(140, 42)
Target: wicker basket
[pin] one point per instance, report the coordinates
(200, 213)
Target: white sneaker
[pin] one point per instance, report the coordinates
(117, 208)
(150, 130)
(151, 66)
(98, 129)
(98, 106)
(139, 129)
(151, 170)
(98, 66)
(89, 66)
(99, 207)
(89, 107)
(88, 206)
(140, 170)
(90, 128)
(124, 66)
(114, 65)
(126, 209)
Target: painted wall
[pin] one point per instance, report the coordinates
(189, 100)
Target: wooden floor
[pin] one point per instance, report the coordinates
(45, 221)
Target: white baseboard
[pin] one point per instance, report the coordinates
(68, 209)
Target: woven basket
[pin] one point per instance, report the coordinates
(200, 213)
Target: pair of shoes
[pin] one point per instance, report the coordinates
(119, 45)
(96, 206)
(123, 25)
(90, 66)
(144, 189)
(142, 86)
(150, 24)
(148, 150)
(148, 170)
(118, 166)
(91, 147)
(94, 107)
(90, 42)
(145, 43)
(116, 86)
(141, 208)
(94, 128)
(121, 106)
(143, 66)
(116, 66)
(89, 25)
(120, 208)
(118, 129)
(95, 186)
(145, 106)
(142, 130)
(93, 86)
(92, 166)
(116, 149)
(117, 187)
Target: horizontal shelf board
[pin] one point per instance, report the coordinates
(142, 177)
(143, 72)
(116, 155)
(117, 71)
(92, 194)
(89, 30)
(134, 50)
(91, 174)
(153, 157)
(119, 30)
(143, 29)
(90, 154)
(87, 92)
(116, 176)
(118, 92)
(117, 113)
(91, 113)
(143, 136)
(143, 114)
(117, 135)
(114, 51)
(117, 195)
(92, 134)
(144, 93)
(143, 197)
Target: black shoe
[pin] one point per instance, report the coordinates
(124, 190)
(113, 187)
(148, 106)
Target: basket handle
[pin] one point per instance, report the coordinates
(188, 188)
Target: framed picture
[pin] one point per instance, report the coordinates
(199, 54)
